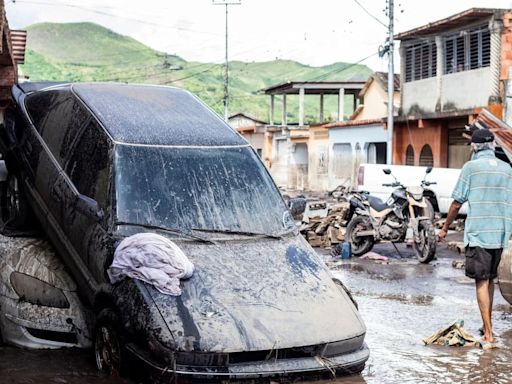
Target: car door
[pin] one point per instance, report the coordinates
(87, 208)
(57, 116)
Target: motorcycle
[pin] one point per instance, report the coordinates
(371, 220)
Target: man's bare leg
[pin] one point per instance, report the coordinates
(491, 298)
(484, 304)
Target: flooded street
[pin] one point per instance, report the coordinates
(401, 302)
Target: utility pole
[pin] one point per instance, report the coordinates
(391, 81)
(226, 3)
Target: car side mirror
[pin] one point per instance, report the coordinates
(89, 207)
(428, 170)
(387, 171)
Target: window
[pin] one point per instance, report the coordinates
(466, 50)
(409, 155)
(426, 157)
(58, 116)
(88, 165)
(420, 61)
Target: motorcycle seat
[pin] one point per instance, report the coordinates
(377, 203)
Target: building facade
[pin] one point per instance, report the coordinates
(298, 151)
(253, 130)
(450, 70)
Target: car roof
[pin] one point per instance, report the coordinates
(155, 115)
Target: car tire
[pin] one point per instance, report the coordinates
(15, 210)
(108, 346)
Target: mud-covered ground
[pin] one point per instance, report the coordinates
(401, 302)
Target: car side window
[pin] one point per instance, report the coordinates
(58, 116)
(88, 164)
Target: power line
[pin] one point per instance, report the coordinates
(369, 14)
(338, 70)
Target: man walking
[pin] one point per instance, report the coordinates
(485, 183)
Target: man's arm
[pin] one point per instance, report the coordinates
(452, 214)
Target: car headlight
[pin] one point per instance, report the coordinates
(37, 292)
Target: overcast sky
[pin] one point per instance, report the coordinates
(315, 32)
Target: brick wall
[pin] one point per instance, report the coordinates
(506, 46)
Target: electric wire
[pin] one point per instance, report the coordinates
(369, 14)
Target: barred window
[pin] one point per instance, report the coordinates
(466, 50)
(420, 61)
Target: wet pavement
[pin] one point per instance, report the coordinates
(401, 302)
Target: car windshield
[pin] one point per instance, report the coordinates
(197, 188)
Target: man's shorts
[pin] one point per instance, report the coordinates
(482, 263)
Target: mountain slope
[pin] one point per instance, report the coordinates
(90, 52)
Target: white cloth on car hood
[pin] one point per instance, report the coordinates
(153, 259)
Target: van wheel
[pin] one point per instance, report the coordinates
(360, 244)
(15, 210)
(108, 346)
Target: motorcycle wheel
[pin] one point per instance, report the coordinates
(425, 244)
(363, 244)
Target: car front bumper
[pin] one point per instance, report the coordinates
(347, 363)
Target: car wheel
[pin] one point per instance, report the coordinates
(15, 210)
(107, 343)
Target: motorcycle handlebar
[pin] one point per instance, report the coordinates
(388, 185)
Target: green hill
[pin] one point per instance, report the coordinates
(90, 52)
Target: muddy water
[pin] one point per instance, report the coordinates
(401, 302)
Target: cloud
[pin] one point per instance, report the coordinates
(315, 33)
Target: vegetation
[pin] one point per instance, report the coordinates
(90, 52)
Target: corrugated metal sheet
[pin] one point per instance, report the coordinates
(502, 131)
(19, 43)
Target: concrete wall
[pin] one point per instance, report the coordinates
(467, 89)
(420, 95)
(461, 90)
(375, 102)
(358, 137)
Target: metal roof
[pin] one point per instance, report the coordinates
(315, 87)
(461, 19)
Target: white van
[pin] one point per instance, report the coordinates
(370, 177)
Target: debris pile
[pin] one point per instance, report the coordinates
(454, 335)
(325, 226)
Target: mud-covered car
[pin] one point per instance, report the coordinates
(39, 305)
(100, 162)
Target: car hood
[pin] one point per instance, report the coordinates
(257, 294)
